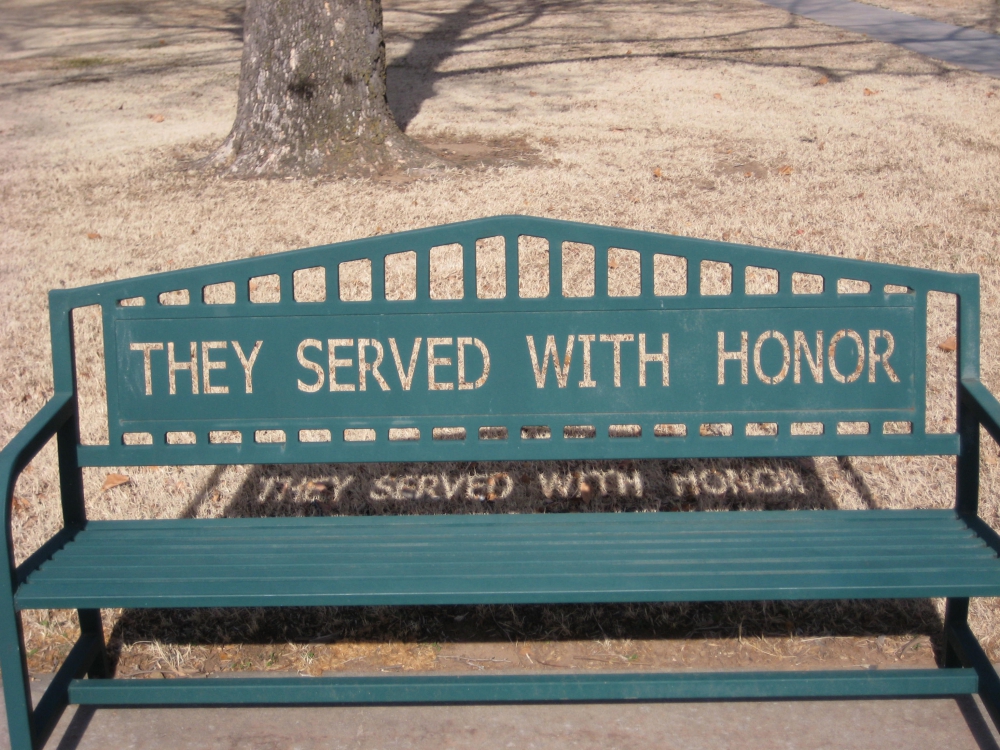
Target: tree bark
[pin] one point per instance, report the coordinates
(312, 96)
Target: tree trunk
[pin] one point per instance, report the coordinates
(312, 95)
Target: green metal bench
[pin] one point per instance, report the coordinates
(491, 368)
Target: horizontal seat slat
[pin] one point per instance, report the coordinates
(901, 556)
(610, 534)
(502, 522)
(512, 566)
(504, 590)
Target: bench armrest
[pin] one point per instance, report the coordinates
(24, 447)
(983, 404)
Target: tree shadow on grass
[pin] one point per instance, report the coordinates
(436, 54)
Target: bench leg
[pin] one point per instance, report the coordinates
(16, 692)
(962, 649)
(956, 612)
(91, 625)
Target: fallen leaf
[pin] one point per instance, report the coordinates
(114, 480)
(716, 96)
(870, 92)
(316, 486)
(822, 81)
(157, 118)
(657, 172)
(20, 503)
(725, 236)
(822, 145)
(748, 174)
(532, 93)
(93, 236)
(613, 263)
(785, 170)
(628, 52)
(990, 94)
(950, 344)
(215, 496)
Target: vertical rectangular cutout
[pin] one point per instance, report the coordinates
(716, 279)
(577, 269)
(401, 276)
(91, 383)
(447, 274)
(491, 268)
(807, 283)
(309, 284)
(670, 276)
(265, 290)
(355, 280)
(532, 266)
(942, 363)
(760, 280)
(219, 294)
(624, 273)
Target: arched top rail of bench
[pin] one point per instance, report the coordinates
(749, 363)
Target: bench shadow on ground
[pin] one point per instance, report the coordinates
(565, 487)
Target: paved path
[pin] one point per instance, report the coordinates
(930, 724)
(975, 50)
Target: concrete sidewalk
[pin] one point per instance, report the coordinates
(930, 724)
(971, 49)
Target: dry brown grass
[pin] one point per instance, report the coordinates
(673, 118)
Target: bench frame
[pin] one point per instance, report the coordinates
(966, 666)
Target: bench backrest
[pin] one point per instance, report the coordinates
(655, 375)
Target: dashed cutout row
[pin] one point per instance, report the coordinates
(527, 432)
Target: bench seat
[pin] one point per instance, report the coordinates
(508, 559)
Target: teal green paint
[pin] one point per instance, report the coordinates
(526, 688)
(511, 386)
(495, 559)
